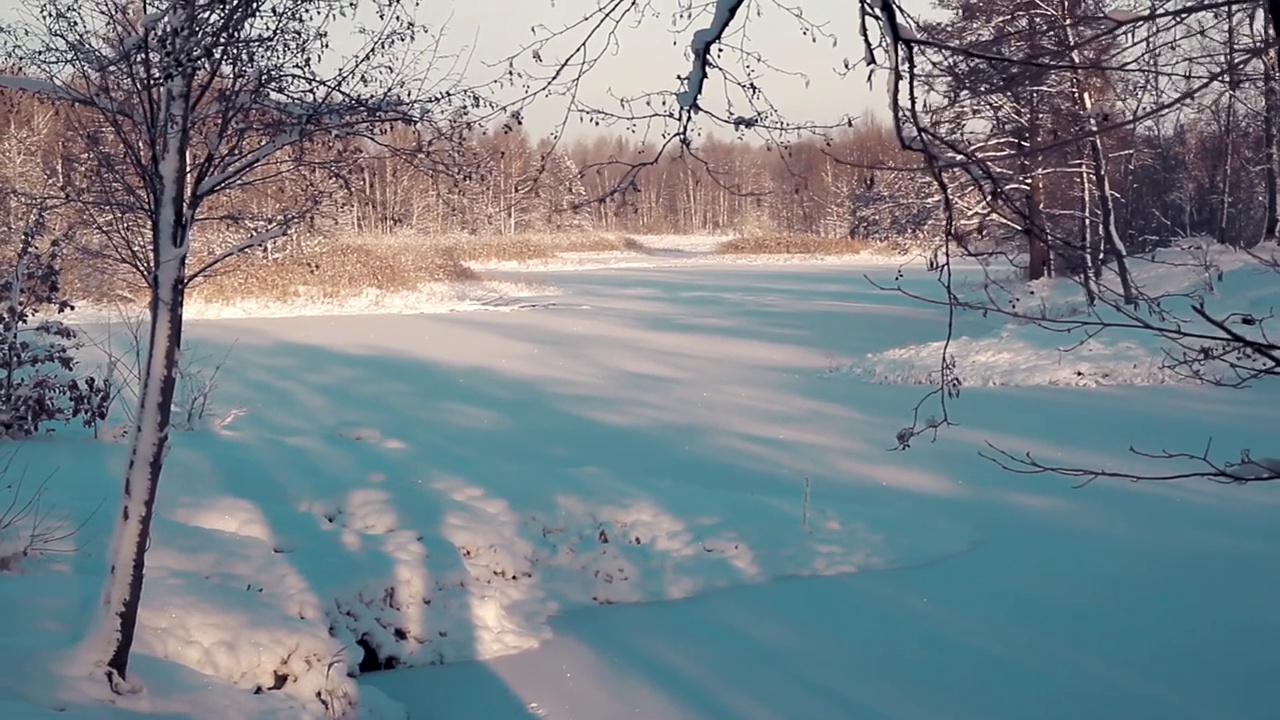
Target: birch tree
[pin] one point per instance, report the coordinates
(188, 101)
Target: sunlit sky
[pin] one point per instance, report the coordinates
(652, 56)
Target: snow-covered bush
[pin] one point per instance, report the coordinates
(37, 351)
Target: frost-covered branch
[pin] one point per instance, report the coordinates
(1196, 466)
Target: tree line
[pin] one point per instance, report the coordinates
(1207, 170)
(499, 180)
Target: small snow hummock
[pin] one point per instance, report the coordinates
(1020, 353)
(1120, 16)
(1017, 361)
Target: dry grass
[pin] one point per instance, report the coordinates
(528, 247)
(791, 245)
(334, 271)
(346, 268)
(339, 268)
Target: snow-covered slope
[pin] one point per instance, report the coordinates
(419, 489)
(437, 487)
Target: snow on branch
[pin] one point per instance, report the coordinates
(57, 91)
(703, 40)
(248, 162)
(1121, 16)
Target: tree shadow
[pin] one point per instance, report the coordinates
(1004, 633)
(435, 437)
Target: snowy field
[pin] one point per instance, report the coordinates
(511, 493)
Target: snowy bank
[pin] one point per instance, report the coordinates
(435, 297)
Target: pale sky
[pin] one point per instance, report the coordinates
(650, 57)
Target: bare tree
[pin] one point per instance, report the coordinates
(185, 104)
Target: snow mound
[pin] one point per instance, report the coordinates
(231, 606)
(1224, 278)
(1014, 361)
(488, 582)
(396, 568)
(1019, 352)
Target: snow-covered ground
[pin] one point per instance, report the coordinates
(435, 297)
(445, 487)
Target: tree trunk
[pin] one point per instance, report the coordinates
(170, 223)
(1228, 133)
(1270, 111)
(1038, 266)
(1101, 176)
(1224, 197)
(146, 458)
(1085, 257)
(1107, 218)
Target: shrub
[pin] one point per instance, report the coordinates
(29, 526)
(37, 359)
(123, 346)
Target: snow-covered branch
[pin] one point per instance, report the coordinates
(704, 41)
(61, 92)
(256, 241)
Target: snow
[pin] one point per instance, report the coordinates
(1010, 358)
(58, 90)
(430, 298)
(703, 39)
(151, 19)
(257, 240)
(1019, 353)
(520, 488)
(1120, 16)
(239, 166)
